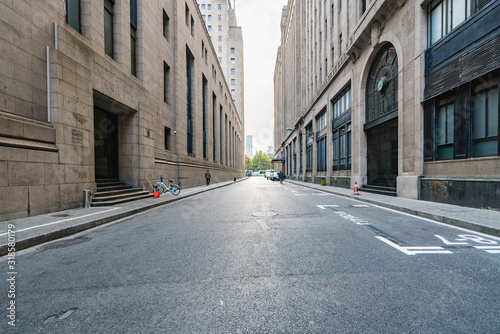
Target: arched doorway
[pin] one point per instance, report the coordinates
(381, 126)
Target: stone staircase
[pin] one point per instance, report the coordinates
(112, 191)
(389, 191)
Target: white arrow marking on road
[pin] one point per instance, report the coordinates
(324, 206)
(415, 250)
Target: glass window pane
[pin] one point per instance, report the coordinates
(348, 101)
(440, 126)
(458, 12)
(449, 124)
(108, 33)
(493, 113)
(485, 148)
(479, 117)
(436, 23)
(73, 14)
(445, 153)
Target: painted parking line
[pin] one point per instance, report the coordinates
(416, 250)
(62, 221)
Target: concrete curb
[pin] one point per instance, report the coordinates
(419, 213)
(67, 231)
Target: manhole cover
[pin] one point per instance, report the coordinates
(65, 243)
(264, 214)
(61, 215)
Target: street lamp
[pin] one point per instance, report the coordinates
(305, 150)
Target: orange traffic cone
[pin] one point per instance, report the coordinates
(356, 188)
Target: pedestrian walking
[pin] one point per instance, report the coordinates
(281, 177)
(208, 177)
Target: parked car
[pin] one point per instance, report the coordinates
(275, 177)
(255, 174)
(268, 175)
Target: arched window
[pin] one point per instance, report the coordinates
(382, 86)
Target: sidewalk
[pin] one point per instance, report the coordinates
(480, 220)
(35, 230)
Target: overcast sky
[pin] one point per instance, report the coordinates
(260, 24)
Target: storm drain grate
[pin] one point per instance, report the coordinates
(65, 243)
(264, 214)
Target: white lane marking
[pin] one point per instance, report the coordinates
(360, 206)
(415, 250)
(356, 220)
(325, 206)
(62, 221)
(489, 249)
(301, 194)
(450, 243)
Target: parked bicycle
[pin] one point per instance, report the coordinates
(173, 188)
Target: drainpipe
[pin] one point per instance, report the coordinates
(47, 51)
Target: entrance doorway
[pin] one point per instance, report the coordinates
(382, 155)
(105, 144)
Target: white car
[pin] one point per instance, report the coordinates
(255, 174)
(268, 175)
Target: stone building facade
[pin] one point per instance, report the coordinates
(227, 38)
(123, 89)
(398, 96)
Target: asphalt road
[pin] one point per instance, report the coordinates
(260, 257)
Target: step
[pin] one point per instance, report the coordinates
(100, 193)
(123, 200)
(381, 190)
(114, 196)
(111, 188)
(110, 184)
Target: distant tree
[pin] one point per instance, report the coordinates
(271, 156)
(261, 161)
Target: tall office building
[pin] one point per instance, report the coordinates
(399, 96)
(122, 90)
(227, 38)
(249, 148)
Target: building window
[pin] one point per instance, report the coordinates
(485, 120)
(204, 17)
(219, 17)
(446, 15)
(219, 27)
(219, 38)
(190, 100)
(464, 124)
(108, 28)
(167, 139)
(203, 6)
(209, 28)
(363, 6)
(221, 136)
(233, 82)
(321, 142)
(301, 150)
(444, 130)
(214, 126)
(210, 17)
(166, 83)
(133, 51)
(219, 7)
(166, 26)
(342, 102)
(192, 26)
(309, 148)
(382, 86)
(295, 156)
(186, 12)
(73, 14)
(233, 61)
(233, 51)
(204, 115)
(233, 71)
(340, 45)
(342, 148)
(209, 7)
(220, 49)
